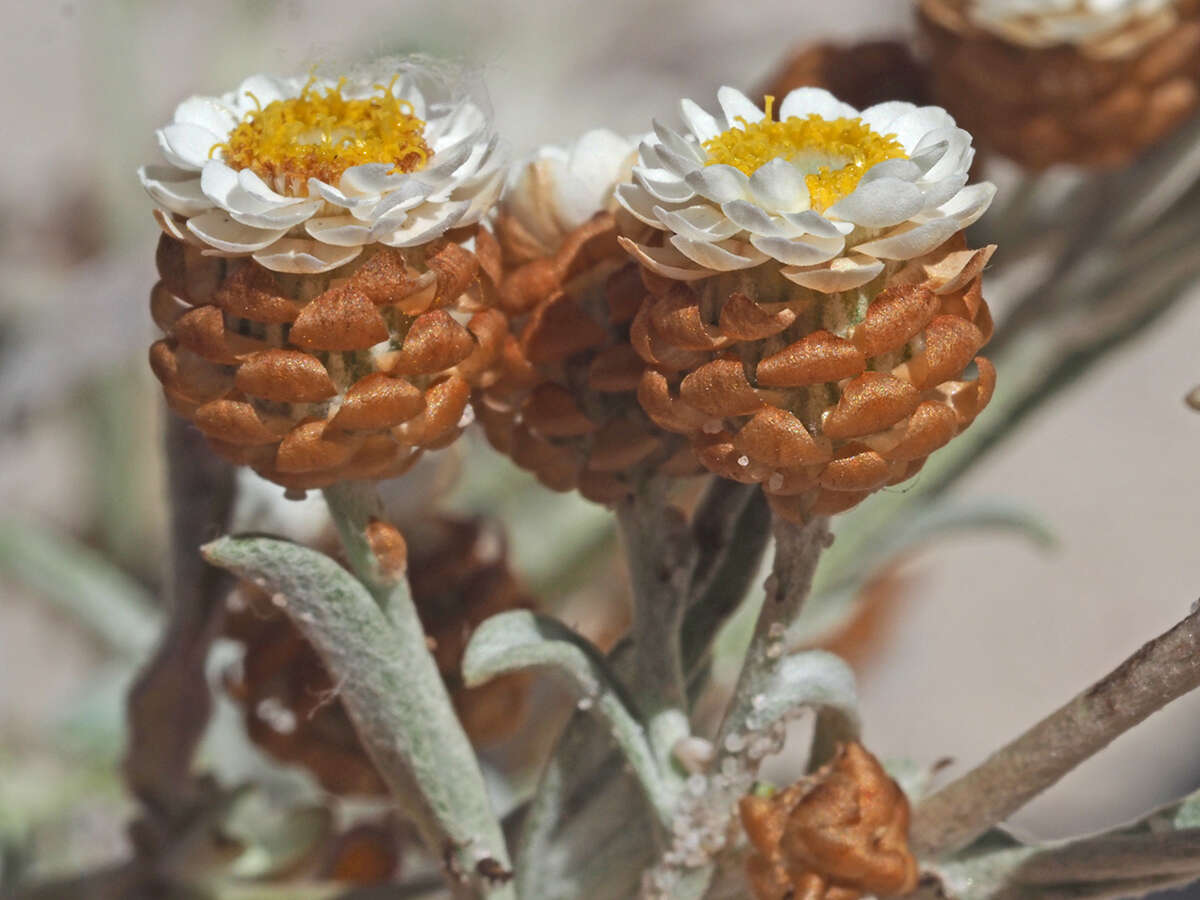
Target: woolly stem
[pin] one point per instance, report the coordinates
(661, 558)
(797, 551)
(1164, 669)
(424, 748)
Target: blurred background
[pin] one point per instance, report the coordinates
(967, 643)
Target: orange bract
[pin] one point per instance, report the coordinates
(564, 406)
(821, 399)
(835, 835)
(316, 379)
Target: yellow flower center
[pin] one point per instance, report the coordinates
(321, 134)
(836, 153)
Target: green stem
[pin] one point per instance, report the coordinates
(437, 758)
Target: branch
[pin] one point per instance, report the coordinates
(1162, 670)
(170, 703)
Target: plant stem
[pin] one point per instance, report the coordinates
(170, 703)
(422, 748)
(661, 557)
(1164, 669)
(797, 550)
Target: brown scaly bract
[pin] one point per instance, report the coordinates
(1096, 107)
(459, 577)
(835, 835)
(564, 406)
(313, 379)
(820, 398)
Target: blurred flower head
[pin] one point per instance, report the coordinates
(559, 188)
(302, 172)
(825, 191)
(1044, 23)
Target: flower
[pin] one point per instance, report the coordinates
(1085, 82)
(1101, 27)
(825, 193)
(301, 173)
(564, 405)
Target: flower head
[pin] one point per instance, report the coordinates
(301, 173)
(564, 404)
(825, 191)
(1045, 23)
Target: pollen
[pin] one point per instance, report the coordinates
(321, 133)
(837, 152)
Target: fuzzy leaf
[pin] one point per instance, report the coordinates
(520, 639)
(391, 688)
(81, 583)
(588, 810)
(816, 680)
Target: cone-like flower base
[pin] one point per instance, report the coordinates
(564, 406)
(820, 398)
(312, 379)
(1095, 106)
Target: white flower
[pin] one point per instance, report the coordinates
(559, 188)
(1045, 23)
(302, 172)
(826, 191)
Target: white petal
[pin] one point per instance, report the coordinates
(697, 223)
(662, 185)
(340, 231)
(736, 105)
(265, 88)
(843, 274)
(639, 204)
(719, 183)
(956, 158)
(717, 257)
(218, 181)
(880, 116)
(807, 101)
(185, 145)
(778, 186)
(665, 261)
(423, 225)
(756, 220)
(406, 196)
(207, 112)
(465, 119)
(879, 203)
(175, 226)
(676, 143)
(301, 256)
(938, 192)
(799, 252)
(174, 190)
(970, 203)
(904, 169)
(817, 225)
(281, 217)
(911, 239)
(217, 229)
(250, 182)
(912, 127)
(358, 206)
(371, 180)
(676, 163)
(700, 123)
(480, 194)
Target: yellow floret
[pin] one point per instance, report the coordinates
(849, 141)
(321, 133)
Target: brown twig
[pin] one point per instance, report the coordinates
(1162, 670)
(169, 704)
